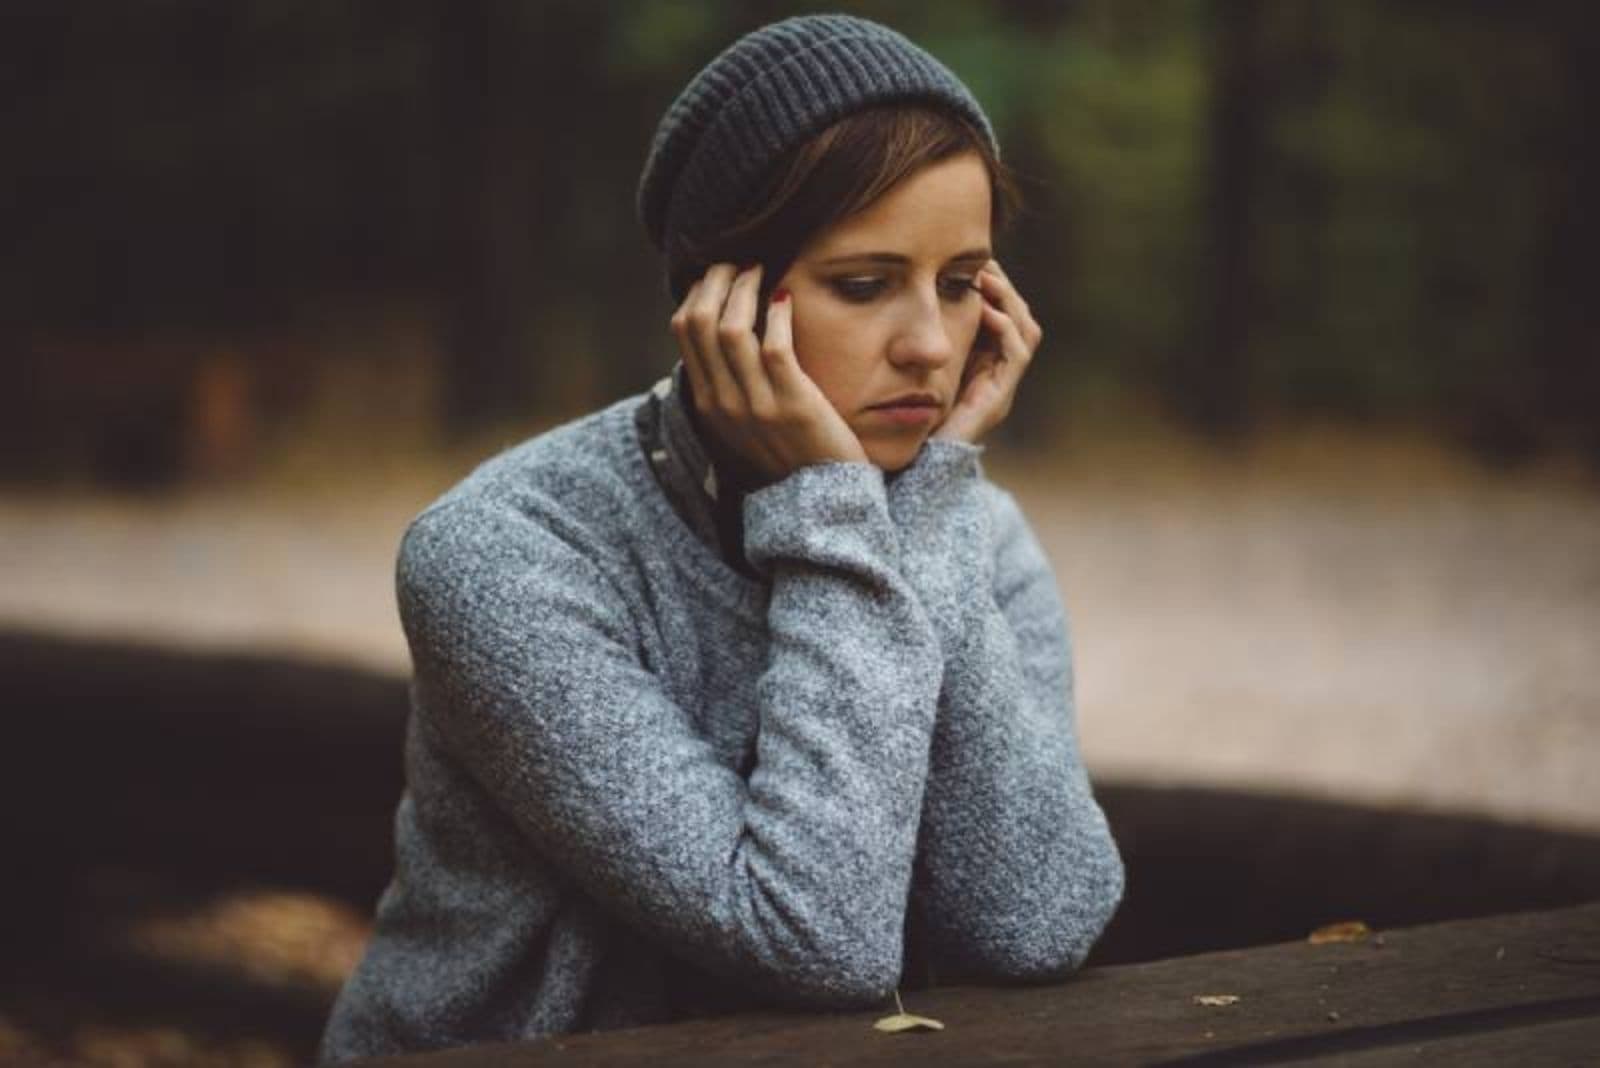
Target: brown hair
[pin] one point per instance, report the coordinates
(842, 170)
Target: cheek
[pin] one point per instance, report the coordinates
(805, 344)
(819, 349)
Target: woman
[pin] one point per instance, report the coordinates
(751, 690)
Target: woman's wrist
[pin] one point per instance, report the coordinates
(943, 472)
(945, 538)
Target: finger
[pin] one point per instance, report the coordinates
(1013, 348)
(997, 286)
(981, 374)
(692, 364)
(778, 355)
(705, 315)
(737, 337)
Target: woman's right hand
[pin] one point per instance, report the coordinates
(750, 392)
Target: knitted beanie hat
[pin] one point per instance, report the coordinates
(768, 92)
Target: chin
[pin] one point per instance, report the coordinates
(895, 456)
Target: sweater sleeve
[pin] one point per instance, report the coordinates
(527, 663)
(1017, 872)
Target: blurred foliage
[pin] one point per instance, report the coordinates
(1239, 210)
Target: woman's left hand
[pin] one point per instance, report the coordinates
(1008, 338)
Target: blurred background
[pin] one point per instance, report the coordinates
(1312, 441)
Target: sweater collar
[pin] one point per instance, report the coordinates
(705, 487)
(721, 475)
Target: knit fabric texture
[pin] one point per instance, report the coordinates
(642, 786)
(765, 94)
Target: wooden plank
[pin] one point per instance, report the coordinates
(1570, 1043)
(1524, 986)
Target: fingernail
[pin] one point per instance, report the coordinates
(780, 295)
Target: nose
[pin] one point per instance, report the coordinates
(922, 339)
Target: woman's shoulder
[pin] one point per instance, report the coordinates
(533, 541)
(576, 481)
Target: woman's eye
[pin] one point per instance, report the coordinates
(857, 289)
(958, 288)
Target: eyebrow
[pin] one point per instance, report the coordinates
(896, 258)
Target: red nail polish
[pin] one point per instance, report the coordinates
(780, 295)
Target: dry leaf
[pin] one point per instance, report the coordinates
(1215, 999)
(904, 1021)
(1349, 931)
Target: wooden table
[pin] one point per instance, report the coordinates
(1520, 989)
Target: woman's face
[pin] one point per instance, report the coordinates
(884, 304)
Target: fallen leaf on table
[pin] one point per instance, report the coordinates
(1349, 931)
(904, 1021)
(1215, 999)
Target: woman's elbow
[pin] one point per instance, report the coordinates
(849, 977)
(1058, 940)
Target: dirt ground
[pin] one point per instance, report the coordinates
(1369, 619)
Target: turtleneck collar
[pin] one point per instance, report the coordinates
(732, 474)
(706, 485)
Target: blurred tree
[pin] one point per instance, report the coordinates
(1121, 117)
(1565, 333)
(1210, 381)
(493, 194)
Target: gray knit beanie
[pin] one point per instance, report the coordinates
(768, 92)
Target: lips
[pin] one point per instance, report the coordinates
(910, 400)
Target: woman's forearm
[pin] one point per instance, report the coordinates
(1017, 873)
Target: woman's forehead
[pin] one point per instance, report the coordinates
(938, 214)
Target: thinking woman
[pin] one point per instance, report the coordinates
(750, 690)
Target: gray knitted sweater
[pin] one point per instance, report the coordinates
(643, 786)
